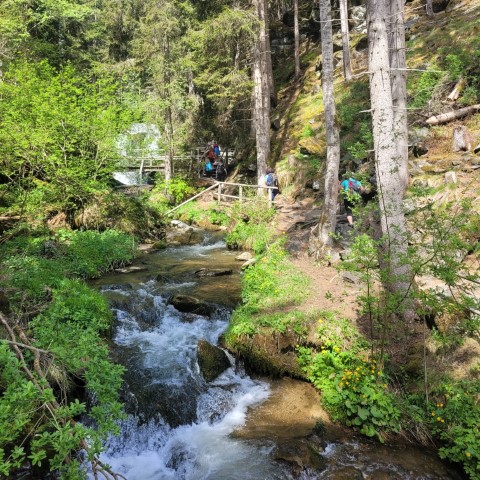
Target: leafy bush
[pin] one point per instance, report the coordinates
(421, 89)
(455, 419)
(354, 388)
(173, 192)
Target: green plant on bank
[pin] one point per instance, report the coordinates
(354, 387)
(455, 420)
(33, 263)
(272, 283)
(194, 213)
(173, 192)
(255, 232)
(60, 355)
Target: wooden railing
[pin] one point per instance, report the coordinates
(187, 163)
(219, 186)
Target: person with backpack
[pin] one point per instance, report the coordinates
(216, 149)
(271, 180)
(351, 190)
(221, 171)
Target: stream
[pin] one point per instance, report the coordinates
(181, 427)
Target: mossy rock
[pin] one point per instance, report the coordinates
(312, 146)
(212, 360)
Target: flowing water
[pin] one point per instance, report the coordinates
(179, 426)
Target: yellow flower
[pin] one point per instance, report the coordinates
(468, 454)
(439, 419)
(433, 414)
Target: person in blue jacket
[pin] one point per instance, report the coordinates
(351, 191)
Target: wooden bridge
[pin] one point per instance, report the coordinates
(188, 163)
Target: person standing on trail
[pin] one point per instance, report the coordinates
(351, 191)
(216, 149)
(271, 180)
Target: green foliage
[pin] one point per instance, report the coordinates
(256, 233)
(173, 192)
(354, 388)
(308, 132)
(39, 404)
(57, 136)
(34, 264)
(272, 283)
(455, 419)
(421, 88)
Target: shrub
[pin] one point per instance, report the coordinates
(354, 388)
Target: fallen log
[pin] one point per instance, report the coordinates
(449, 116)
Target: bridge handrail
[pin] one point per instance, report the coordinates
(219, 185)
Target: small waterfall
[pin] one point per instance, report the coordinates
(179, 426)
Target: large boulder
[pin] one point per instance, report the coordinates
(212, 361)
(213, 272)
(180, 233)
(188, 304)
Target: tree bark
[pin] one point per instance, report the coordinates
(328, 218)
(296, 30)
(167, 112)
(429, 8)
(396, 276)
(398, 79)
(347, 70)
(261, 93)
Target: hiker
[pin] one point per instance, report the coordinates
(221, 171)
(208, 168)
(271, 180)
(216, 149)
(210, 154)
(351, 191)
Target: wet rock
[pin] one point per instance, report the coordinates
(213, 272)
(346, 473)
(131, 269)
(212, 360)
(243, 257)
(249, 263)
(180, 233)
(188, 304)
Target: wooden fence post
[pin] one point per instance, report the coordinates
(219, 192)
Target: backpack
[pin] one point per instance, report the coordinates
(208, 167)
(221, 170)
(271, 180)
(353, 185)
(216, 149)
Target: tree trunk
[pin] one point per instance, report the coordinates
(296, 30)
(448, 117)
(167, 113)
(261, 93)
(396, 276)
(347, 70)
(328, 218)
(398, 79)
(268, 56)
(429, 8)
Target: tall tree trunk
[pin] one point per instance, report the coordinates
(168, 119)
(268, 55)
(398, 78)
(296, 30)
(397, 274)
(347, 70)
(261, 93)
(429, 8)
(328, 218)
